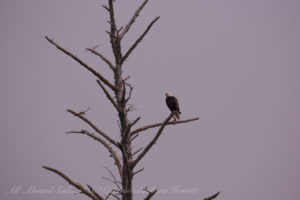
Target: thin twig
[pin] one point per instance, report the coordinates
(104, 80)
(71, 182)
(84, 111)
(116, 196)
(132, 20)
(212, 197)
(138, 40)
(134, 137)
(94, 127)
(137, 151)
(110, 193)
(125, 79)
(108, 62)
(159, 124)
(108, 96)
(107, 146)
(108, 179)
(135, 121)
(113, 176)
(118, 31)
(105, 7)
(152, 142)
(130, 92)
(111, 35)
(135, 173)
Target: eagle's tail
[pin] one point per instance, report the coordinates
(177, 114)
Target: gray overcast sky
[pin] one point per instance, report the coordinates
(233, 63)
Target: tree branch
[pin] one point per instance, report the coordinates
(71, 182)
(134, 137)
(94, 127)
(113, 26)
(107, 146)
(134, 173)
(130, 92)
(137, 151)
(82, 63)
(95, 193)
(141, 155)
(212, 197)
(113, 176)
(114, 38)
(139, 40)
(150, 194)
(108, 96)
(105, 7)
(134, 122)
(116, 196)
(159, 124)
(132, 20)
(112, 67)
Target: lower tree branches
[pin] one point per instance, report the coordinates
(107, 146)
(152, 142)
(71, 182)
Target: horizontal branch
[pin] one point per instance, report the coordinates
(159, 124)
(94, 127)
(107, 146)
(212, 197)
(141, 155)
(71, 182)
(82, 63)
(138, 40)
(112, 67)
(132, 20)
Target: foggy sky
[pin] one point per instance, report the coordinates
(233, 63)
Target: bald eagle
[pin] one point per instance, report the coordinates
(172, 104)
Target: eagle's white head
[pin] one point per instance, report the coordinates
(167, 94)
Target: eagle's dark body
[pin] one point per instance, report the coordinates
(172, 104)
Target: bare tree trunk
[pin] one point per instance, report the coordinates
(122, 91)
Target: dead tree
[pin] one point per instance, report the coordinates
(118, 93)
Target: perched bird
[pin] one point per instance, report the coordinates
(172, 104)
